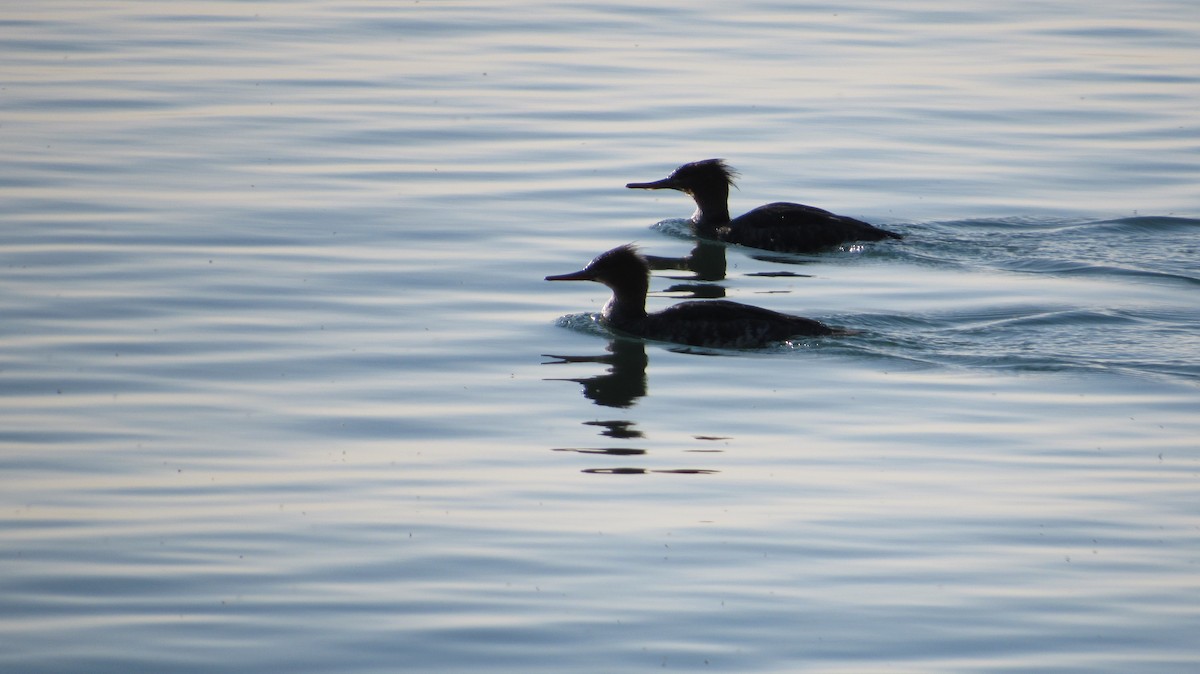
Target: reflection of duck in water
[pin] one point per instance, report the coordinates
(621, 386)
(712, 323)
(781, 226)
(706, 260)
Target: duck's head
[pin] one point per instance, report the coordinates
(623, 269)
(709, 176)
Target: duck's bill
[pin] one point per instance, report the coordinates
(664, 184)
(581, 275)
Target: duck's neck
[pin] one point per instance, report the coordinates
(627, 306)
(712, 208)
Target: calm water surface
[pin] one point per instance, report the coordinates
(283, 390)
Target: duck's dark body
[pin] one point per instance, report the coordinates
(780, 226)
(721, 323)
(710, 323)
(792, 228)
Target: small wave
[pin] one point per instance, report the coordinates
(679, 228)
(1060, 267)
(586, 323)
(1007, 225)
(975, 229)
(1036, 318)
(1159, 249)
(1148, 224)
(1149, 342)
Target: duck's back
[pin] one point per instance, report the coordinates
(726, 324)
(796, 228)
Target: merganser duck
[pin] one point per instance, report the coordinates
(705, 323)
(781, 226)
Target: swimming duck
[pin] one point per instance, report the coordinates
(708, 323)
(780, 226)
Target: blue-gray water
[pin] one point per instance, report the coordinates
(283, 389)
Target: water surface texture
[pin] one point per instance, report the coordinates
(282, 387)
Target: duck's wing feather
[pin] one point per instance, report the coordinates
(799, 228)
(723, 323)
